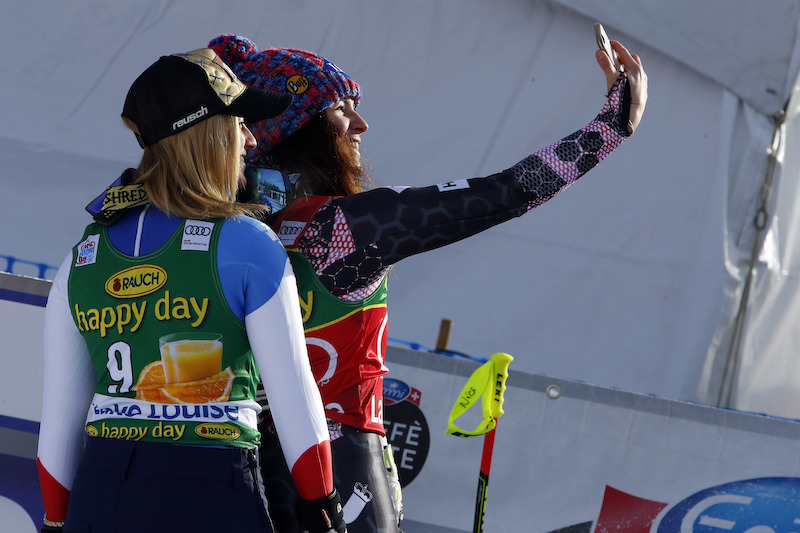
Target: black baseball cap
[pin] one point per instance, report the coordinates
(180, 90)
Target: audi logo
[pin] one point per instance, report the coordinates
(287, 230)
(197, 230)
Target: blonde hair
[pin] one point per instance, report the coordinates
(194, 173)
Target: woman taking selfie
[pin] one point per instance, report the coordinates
(343, 236)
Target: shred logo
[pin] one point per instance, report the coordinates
(87, 251)
(136, 281)
(217, 431)
(297, 84)
(125, 196)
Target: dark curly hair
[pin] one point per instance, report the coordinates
(325, 159)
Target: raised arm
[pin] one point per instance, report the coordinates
(377, 228)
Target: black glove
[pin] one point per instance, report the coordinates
(320, 516)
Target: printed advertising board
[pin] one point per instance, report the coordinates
(568, 457)
(574, 458)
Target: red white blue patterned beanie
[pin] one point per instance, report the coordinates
(315, 82)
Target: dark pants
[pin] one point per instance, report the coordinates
(130, 487)
(359, 476)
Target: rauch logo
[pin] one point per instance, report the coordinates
(136, 281)
(217, 431)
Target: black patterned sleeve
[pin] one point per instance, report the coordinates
(365, 233)
(553, 169)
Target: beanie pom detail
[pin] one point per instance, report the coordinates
(233, 49)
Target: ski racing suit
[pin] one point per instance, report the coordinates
(341, 249)
(178, 427)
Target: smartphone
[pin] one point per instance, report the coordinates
(605, 44)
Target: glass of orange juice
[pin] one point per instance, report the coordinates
(190, 356)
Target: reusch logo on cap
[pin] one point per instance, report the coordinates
(188, 119)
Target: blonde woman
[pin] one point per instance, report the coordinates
(162, 321)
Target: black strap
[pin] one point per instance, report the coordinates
(320, 516)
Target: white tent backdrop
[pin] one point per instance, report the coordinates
(632, 279)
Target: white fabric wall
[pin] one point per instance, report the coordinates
(768, 377)
(629, 279)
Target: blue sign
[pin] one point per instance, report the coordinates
(394, 391)
(763, 505)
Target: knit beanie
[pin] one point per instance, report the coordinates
(315, 82)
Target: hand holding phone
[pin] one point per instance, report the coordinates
(605, 45)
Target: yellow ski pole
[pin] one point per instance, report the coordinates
(489, 383)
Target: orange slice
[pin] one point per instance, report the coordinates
(216, 388)
(151, 379)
